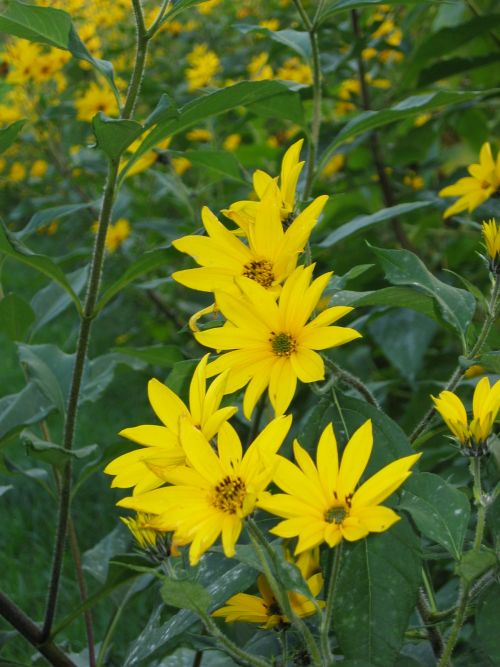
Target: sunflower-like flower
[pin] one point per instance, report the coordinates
(473, 190)
(213, 494)
(143, 468)
(272, 343)
(320, 502)
(270, 256)
(243, 213)
(491, 235)
(265, 609)
(472, 436)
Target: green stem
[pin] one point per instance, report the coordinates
(466, 585)
(353, 381)
(311, 28)
(232, 649)
(88, 315)
(87, 614)
(328, 612)
(476, 349)
(260, 544)
(159, 18)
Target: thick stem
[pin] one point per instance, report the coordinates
(86, 324)
(75, 552)
(328, 612)
(433, 634)
(311, 28)
(475, 350)
(260, 544)
(385, 184)
(353, 381)
(241, 656)
(31, 632)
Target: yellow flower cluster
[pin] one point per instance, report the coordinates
(204, 65)
(116, 235)
(191, 476)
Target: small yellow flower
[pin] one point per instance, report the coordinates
(320, 502)
(265, 609)
(95, 99)
(204, 65)
(414, 181)
(422, 119)
(472, 436)
(181, 165)
(145, 537)
(270, 24)
(474, 190)
(161, 448)
(334, 165)
(232, 142)
(17, 172)
(199, 134)
(293, 69)
(272, 343)
(213, 494)
(368, 53)
(491, 235)
(259, 69)
(117, 234)
(39, 169)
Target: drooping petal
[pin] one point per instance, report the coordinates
(282, 385)
(307, 365)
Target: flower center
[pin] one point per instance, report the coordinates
(261, 272)
(335, 515)
(229, 494)
(283, 344)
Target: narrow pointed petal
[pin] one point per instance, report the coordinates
(166, 404)
(380, 486)
(354, 459)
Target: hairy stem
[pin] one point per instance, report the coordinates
(87, 614)
(457, 374)
(85, 327)
(353, 381)
(326, 620)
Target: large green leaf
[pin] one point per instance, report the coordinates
(16, 316)
(9, 134)
(446, 40)
(376, 594)
(452, 66)
(243, 94)
(416, 104)
(440, 511)
(148, 262)
(52, 453)
(51, 301)
(361, 222)
(185, 594)
(50, 26)
(487, 617)
(12, 247)
(28, 406)
(48, 215)
(113, 135)
(155, 355)
(297, 40)
(221, 163)
(402, 267)
(332, 7)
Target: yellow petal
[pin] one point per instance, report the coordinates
(354, 460)
(282, 385)
(322, 338)
(166, 404)
(380, 486)
(307, 365)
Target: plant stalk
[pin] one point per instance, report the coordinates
(326, 620)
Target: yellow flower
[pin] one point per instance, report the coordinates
(270, 24)
(17, 172)
(258, 67)
(473, 190)
(295, 70)
(149, 158)
(143, 468)
(138, 526)
(207, 6)
(232, 142)
(116, 234)
(414, 181)
(368, 53)
(38, 169)
(265, 609)
(334, 165)
(270, 256)
(422, 119)
(491, 235)
(320, 502)
(485, 407)
(204, 65)
(216, 491)
(199, 134)
(95, 99)
(272, 344)
(243, 212)
(474, 370)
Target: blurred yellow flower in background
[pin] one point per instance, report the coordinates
(96, 98)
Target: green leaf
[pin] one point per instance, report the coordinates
(52, 453)
(185, 594)
(16, 317)
(452, 66)
(487, 617)
(38, 24)
(361, 222)
(41, 362)
(402, 267)
(286, 105)
(474, 563)
(11, 247)
(416, 104)
(9, 134)
(115, 136)
(490, 361)
(28, 406)
(180, 376)
(297, 40)
(376, 593)
(332, 7)
(150, 261)
(164, 110)
(222, 163)
(403, 336)
(440, 511)
(53, 27)
(155, 355)
(48, 215)
(446, 40)
(180, 6)
(396, 297)
(201, 108)
(51, 301)
(4, 489)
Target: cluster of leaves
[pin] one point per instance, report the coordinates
(417, 310)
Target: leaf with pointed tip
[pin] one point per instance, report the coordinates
(9, 134)
(113, 135)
